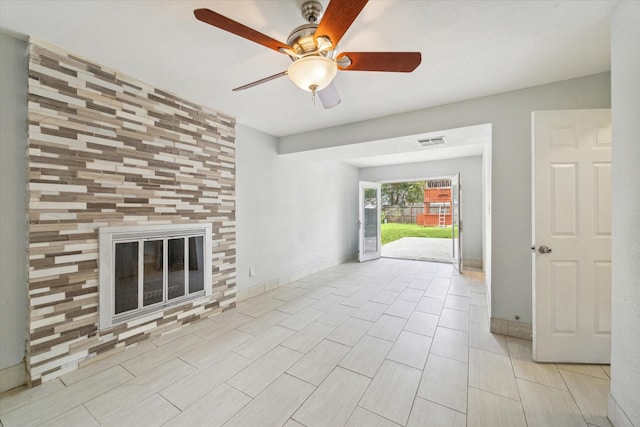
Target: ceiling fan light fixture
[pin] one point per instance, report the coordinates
(312, 73)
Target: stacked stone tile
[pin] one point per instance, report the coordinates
(108, 150)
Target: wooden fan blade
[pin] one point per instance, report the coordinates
(213, 18)
(329, 96)
(337, 19)
(399, 62)
(259, 82)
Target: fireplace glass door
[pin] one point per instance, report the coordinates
(154, 272)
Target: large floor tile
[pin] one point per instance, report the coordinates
(264, 304)
(262, 323)
(370, 311)
(478, 298)
(350, 331)
(160, 355)
(302, 318)
(119, 399)
(422, 323)
(451, 343)
(219, 325)
(481, 338)
(327, 302)
(112, 360)
(478, 314)
(411, 294)
(337, 315)
(47, 407)
(457, 302)
(153, 411)
(436, 292)
(359, 299)
(257, 376)
(492, 372)
(444, 381)
(430, 305)
(441, 282)
(460, 286)
(255, 347)
(392, 391)
(363, 418)
(387, 327)
(289, 293)
(454, 319)
(547, 406)
(316, 365)
(208, 351)
(293, 307)
(591, 395)
(597, 371)
(307, 338)
(76, 417)
(429, 414)
(385, 297)
(193, 386)
(12, 399)
(226, 400)
(367, 355)
(421, 283)
(488, 409)
(524, 366)
(333, 401)
(410, 349)
(275, 405)
(401, 308)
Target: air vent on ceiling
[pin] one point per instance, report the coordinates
(428, 142)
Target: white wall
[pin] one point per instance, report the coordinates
(13, 193)
(624, 402)
(470, 169)
(293, 217)
(510, 115)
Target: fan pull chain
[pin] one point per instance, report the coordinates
(313, 93)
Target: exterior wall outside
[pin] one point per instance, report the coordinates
(294, 217)
(510, 204)
(471, 178)
(105, 149)
(13, 197)
(624, 398)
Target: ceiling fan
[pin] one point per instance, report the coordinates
(312, 47)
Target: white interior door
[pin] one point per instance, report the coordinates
(571, 236)
(369, 221)
(456, 223)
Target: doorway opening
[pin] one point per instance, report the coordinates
(417, 220)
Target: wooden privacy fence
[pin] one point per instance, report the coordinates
(401, 215)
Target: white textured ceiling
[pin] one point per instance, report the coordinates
(469, 49)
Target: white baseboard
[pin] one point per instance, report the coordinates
(244, 294)
(511, 328)
(617, 415)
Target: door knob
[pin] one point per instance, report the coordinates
(544, 249)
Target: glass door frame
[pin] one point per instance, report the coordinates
(456, 222)
(364, 251)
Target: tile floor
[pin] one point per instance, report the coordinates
(384, 343)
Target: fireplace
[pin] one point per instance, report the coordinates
(144, 269)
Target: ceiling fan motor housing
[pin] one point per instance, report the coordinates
(311, 11)
(302, 43)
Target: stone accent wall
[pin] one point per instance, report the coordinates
(108, 150)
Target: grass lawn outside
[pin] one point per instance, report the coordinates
(391, 232)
